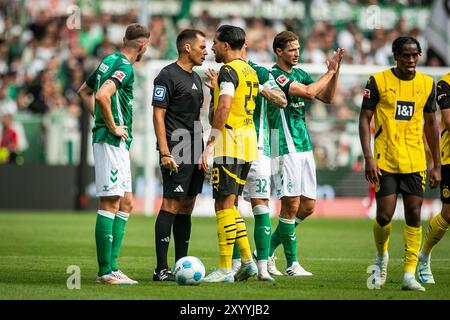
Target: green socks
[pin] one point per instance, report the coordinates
(262, 231)
(118, 233)
(104, 240)
(285, 234)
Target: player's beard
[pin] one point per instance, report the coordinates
(139, 56)
(219, 58)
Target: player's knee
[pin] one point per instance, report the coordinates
(446, 216)
(110, 204)
(383, 219)
(307, 211)
(127, 206)
(445, 213)
(170, 205)
(289, 212)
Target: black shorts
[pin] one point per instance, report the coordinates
(404, 183)
(188, 181)
(229, 176)
(445, 184)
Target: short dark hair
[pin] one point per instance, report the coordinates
(135, 31)
(186, 36)
(234, 36)
(398, 44)
(282, 39)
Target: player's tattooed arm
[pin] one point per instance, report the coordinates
(86, 95)
(103, 99)
(275, 96)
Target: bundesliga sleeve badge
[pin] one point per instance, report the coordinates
(366, 94)
(119, 75)
(282, 80)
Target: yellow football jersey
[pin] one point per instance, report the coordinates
(238, 139)
(399, 146)
(443, 100)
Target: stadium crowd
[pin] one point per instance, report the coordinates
(40, 59)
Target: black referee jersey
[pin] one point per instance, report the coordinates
(181, 94)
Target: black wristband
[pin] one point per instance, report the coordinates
(166, 155)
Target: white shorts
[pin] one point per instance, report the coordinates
(112, 170)
(258, 179)
(294, 175)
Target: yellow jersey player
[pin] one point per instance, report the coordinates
(439, 224)
(233, 140)
(400, 99)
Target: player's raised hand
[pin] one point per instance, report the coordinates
(212, 75)
(120, 131)
(333, 63)
(339, 53)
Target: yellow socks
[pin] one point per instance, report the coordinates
(241, 236)
(412, 237)
(435, 231)
(381, 236)
(226, 230)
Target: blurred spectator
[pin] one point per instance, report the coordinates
(7, 105)
(9, 140)
(43, 63)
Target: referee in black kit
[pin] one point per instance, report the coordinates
(177, 99)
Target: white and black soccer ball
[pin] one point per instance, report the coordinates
(189, 270)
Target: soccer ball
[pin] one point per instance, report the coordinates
(189, 270)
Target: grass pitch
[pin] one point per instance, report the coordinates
(37, 248)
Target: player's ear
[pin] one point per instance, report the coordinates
(278, 51)
(187, 47)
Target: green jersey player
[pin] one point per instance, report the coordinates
(293, 166)
(257, 187)
(108, 92)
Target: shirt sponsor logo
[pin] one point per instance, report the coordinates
(297, 104)
(160, 93)
(405, 110)
(282, 80)
(103, 67)
(119, 75)
(366, 94)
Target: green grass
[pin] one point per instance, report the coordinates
(37, 248)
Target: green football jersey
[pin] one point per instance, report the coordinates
(260, 113)
(289, 123)
(117, 68)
